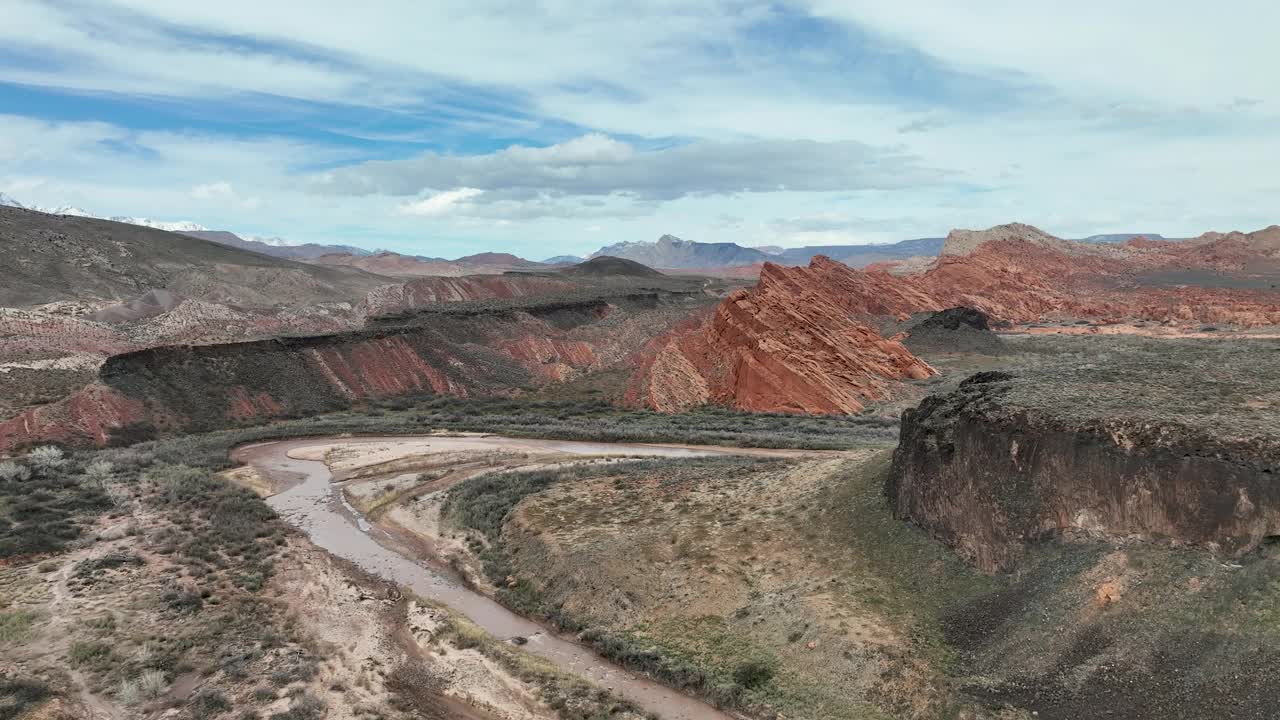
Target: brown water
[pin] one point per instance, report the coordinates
(313, 504)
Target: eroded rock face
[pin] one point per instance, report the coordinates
(987, 474)
(803, 340)
(786, 346)
(461, 350)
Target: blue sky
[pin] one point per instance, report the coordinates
(547, 128)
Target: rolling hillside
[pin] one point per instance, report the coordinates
(50, 258)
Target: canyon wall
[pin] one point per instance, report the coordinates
(456, 349)
(987, 473)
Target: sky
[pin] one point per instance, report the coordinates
(548, 128)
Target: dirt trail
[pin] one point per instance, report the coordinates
(312, 503)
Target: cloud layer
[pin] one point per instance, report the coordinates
(443, 127)
(595, 164)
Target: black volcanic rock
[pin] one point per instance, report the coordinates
(955, 330)
(1130, 449)
(605, 265)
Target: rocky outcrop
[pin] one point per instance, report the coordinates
(802, 340)
(954, 330)
(425, 291)
(460, 349)
(1000, 463)
(789, 345)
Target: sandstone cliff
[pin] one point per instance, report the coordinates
(460, 349)
(791, 344)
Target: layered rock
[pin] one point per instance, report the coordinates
(789, 345)
(1006, 460)
(802, 340)
(456, 349)
(425, 291)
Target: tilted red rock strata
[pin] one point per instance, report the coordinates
(803, 340)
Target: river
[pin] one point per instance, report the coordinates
(314, 504)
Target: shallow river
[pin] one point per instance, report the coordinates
(314, 504)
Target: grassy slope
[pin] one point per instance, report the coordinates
(691, 578)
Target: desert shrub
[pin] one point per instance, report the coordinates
(18, 694)
(483, 503)
(153, 683)
(44, 512)
(15, 625)
(129, 692)
(304, 707)
(47, 458)
(11, 471)
(208, 703)
(229, 525)
(98, 472)
(182, 600)
(93, 654)
(754, 673)
(89, 569)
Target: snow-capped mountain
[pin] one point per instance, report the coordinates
(70, 210)
(179, 226)
(272, 241)
(65, 210)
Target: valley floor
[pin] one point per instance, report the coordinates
(149, 582)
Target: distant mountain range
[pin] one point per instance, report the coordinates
(671, 252)
(1117, 238)
(71, 211)
(668, 251)
(276, 247)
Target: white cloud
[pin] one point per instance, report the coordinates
(1155, 116)
(595, 165)
(224, 192)
(213, 191)
(1173, 53)
(440, 203)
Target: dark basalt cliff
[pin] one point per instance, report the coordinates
(986, 472)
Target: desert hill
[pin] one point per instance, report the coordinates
(59, 258)
(398, 265)
(276, 247)
(607, 265)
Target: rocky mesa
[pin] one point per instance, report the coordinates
(1010, 458)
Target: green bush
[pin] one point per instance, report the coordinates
(754, 673)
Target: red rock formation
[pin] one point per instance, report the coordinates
(802, 340)
(471, 351)
(91, 413)
(788, 345)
